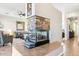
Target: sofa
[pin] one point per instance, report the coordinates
(6, 38)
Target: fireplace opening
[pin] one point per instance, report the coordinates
(41, 36)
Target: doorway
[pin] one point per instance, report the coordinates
(72, 27)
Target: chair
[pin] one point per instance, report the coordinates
(7, 39)
(1, 40)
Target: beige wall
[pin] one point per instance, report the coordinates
(9, 22)
(47, 10)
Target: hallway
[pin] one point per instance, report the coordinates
(71, 47)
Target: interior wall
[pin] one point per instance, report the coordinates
(78, 28)
(9, 23)
(75, 28)
(47, 10)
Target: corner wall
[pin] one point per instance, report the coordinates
(47, 10)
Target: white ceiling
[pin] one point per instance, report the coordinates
(63, 7)
(13, 6)
(67, 7)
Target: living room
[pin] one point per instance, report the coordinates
(14, 21)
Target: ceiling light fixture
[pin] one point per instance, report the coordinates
(20, 13)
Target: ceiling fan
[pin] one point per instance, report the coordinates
(20, 13)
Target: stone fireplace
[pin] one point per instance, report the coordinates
(38, 31)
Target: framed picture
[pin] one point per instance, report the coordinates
(20, 25)
(29, 9)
